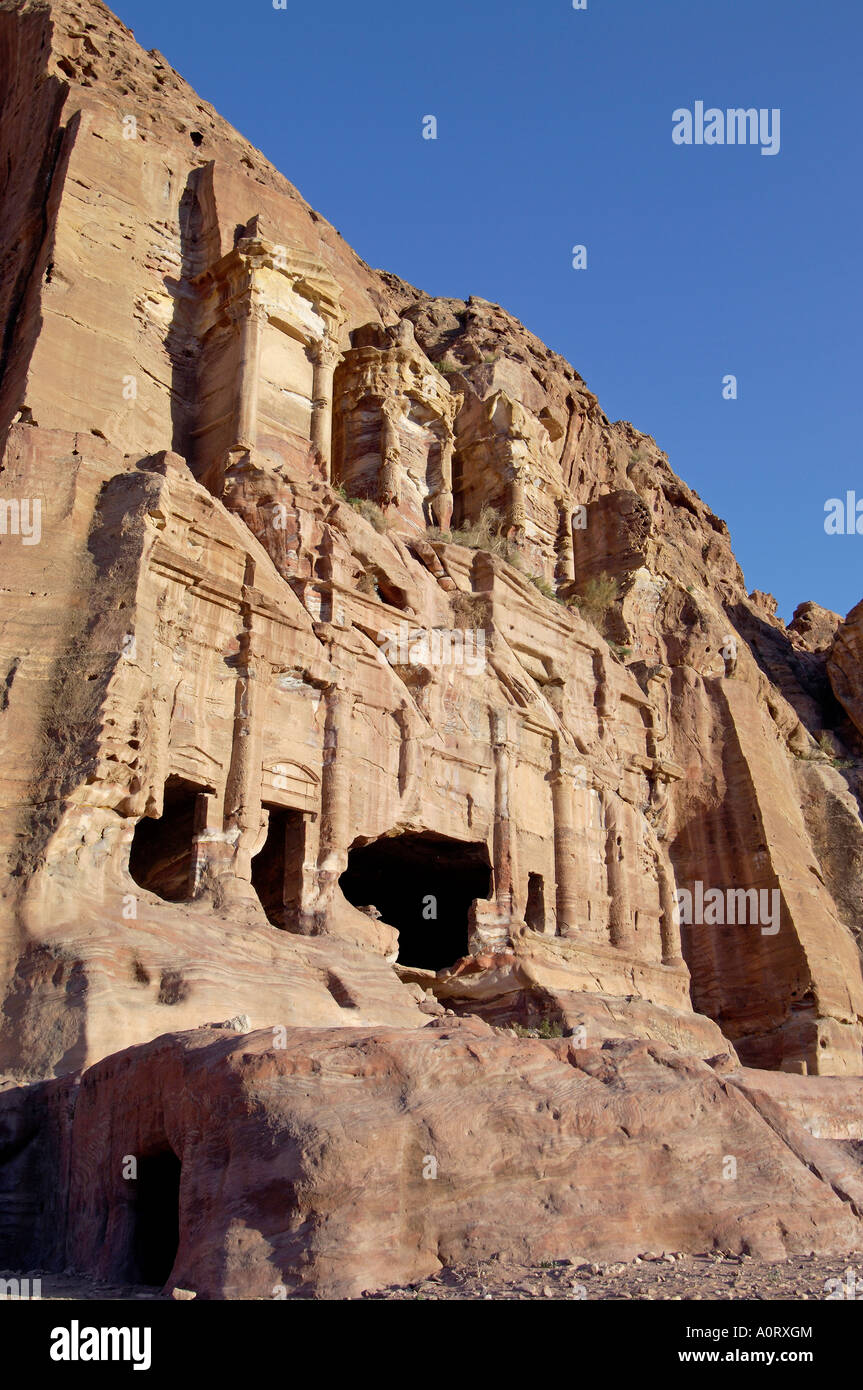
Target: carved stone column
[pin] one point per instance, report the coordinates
(325, 353)
(252, 319)
(516, 502)
(389, 491)
(504, 840)
(242, 813)
(441, 504)
(672, 950)
(568, 897)
(335, 787)
(617, 850)
(565, 568)
(206, 830)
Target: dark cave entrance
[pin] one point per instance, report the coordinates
(534, 912)
(162, 856)
(423, 885)
(277, 868)
(156, 1229)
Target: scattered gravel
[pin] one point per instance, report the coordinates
(655, 1276)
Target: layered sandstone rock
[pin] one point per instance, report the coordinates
(844, 666)
(354, 665)
(329, 1162)
(227, 687)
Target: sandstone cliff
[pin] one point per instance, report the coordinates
(361, 667)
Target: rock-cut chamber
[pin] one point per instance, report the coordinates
(423, 885)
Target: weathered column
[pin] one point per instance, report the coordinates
(310, 878)
(565, 841)
(252, 319)
(242, 813)
(516, 501)
(565, 567)
(325, 353)
(617, 850)
(669, 922)
(388, 480)
(504, 841)
(442, 502)
(206, 829)
(335, 787)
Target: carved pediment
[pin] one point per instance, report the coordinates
(289, 783)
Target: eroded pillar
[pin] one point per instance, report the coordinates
(617, 852)
(335, 787)
(325, 353)
(504, 839)
(242, 810)
(568, 897)
(388, 481)
(516, 503)
(565, 567)
(669, 922)
(441, 504)
(253, 318)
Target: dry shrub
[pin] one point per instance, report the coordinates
(370, 511)
(470, 610)
(367, 583)
(597, 598)
(485, 534)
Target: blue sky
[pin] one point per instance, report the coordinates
(554, 129)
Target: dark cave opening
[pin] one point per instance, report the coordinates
(423, 885)
(162, 855)
(277, 868)
(156, 1230)
(534, 913)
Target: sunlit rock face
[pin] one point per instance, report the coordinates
(354, 664)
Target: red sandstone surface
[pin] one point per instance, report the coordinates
(370, 694)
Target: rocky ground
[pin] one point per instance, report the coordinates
(668, 1277)
(653, 1277)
